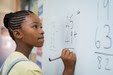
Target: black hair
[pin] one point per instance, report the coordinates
(14, 20)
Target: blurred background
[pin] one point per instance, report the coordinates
(7, 45)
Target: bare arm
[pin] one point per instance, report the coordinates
(69, 60)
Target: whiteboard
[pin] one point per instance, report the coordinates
(84, 26)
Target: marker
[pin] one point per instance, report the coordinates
(54, 58)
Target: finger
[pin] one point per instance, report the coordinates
(67, 52)
(74, 55)
(63, 53)
(71, 54)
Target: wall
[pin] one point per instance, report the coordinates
(7, 45)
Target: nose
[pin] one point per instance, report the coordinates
(41, 31)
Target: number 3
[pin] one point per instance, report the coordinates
(107, 36)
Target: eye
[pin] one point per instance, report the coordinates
(35, 26)
(41, 27)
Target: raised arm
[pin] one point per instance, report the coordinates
(69, 60)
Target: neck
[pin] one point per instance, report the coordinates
(24, 49)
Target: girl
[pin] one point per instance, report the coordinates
(25, 28)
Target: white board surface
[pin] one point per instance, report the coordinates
(84, 26)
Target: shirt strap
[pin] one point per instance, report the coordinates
(1, 68)
(12, 64)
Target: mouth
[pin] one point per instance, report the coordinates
(41, 38)
(40, 41)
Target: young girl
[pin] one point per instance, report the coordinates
(25, 28)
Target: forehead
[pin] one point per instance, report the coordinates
(32, 18)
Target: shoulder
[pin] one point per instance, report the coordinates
(22, 67)
(28, 65)
(27, 68)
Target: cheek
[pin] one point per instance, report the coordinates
(30, 38)
(33, 37)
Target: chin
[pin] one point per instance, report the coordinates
(39, 45)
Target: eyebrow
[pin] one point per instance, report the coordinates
(37, 23)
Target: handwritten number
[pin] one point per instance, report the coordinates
(99, 64)
(107, 64)
(97, 42)
(108, 37)
(105, 3)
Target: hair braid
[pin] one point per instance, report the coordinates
(13, 21)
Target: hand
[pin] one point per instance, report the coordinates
(69, 60)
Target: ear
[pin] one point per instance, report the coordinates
(17, 34)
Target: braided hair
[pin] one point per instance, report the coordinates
(14, 20)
